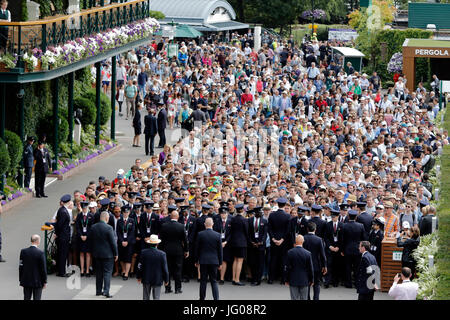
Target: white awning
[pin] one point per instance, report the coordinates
(349, 52)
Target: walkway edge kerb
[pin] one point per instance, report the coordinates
(87, 164)
(18, 201)
(29, 195)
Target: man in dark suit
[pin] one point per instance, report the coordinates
(43, 162)
(104, 250)
(426, 223)
(298, 225)
(197, 115)
(209, 256)
(343, 217)
(364, 217)
(28, 161)
(175, 245)
(367, 267)
(162, 123)
(352, 234)
(257, 231)
(278, 233)
(222, 225)
(316, 218)
(188, 222)
(314, 244)
(150, 222)
(152, 269)
(238, 241)
(333, 249)
(299, 270)
(62, 233)
(33, 270)
(150, 131)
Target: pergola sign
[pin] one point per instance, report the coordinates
(421, 48)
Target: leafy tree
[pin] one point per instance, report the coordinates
(158, 15)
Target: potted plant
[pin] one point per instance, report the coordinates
(31, 62)
(7, 62)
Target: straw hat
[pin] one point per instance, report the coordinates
(153, 239)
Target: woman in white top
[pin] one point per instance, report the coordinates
(120, 96)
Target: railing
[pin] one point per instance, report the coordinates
(22, 37)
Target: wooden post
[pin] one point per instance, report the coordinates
(389, 266)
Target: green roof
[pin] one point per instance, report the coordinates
(426, 43)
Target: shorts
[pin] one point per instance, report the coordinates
(239, 252)
(105, 83)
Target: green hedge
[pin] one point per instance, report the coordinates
(46, 127)
(88, 110)
(15, 150)
(105, 105)
(4, 158)
(443, 212)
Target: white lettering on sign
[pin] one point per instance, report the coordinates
(431, 52)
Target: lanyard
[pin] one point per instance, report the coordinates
(82, 221)
(126, 226)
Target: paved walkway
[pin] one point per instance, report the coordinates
(20, 223)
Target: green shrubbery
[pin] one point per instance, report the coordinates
(15, 150)
(4, 158)
(88, 110)
(46, 127)
(105, 106)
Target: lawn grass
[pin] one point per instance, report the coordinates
(443, 212)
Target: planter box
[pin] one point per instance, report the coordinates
(86, 164)
(10, 204)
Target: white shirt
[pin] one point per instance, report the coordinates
(404, 291)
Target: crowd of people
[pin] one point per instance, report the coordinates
(275, 143)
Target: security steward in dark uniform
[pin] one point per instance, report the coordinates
(222, 225)
(28, 161)
(200, 221)
(333, 249)
(126, 238)
(175, 244)
(136, 216)
(352, 234)
(314, 244)
(316, 218)
(278, 233)
(298, 225)
(343, 216)
(364, 217)
(105, 206)
(150, 223)
(83, 223)
(188, 222)
(238, 241)
(43, 161)
(62, 233)
(376, 236)
(257, 230)
(170, 208)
